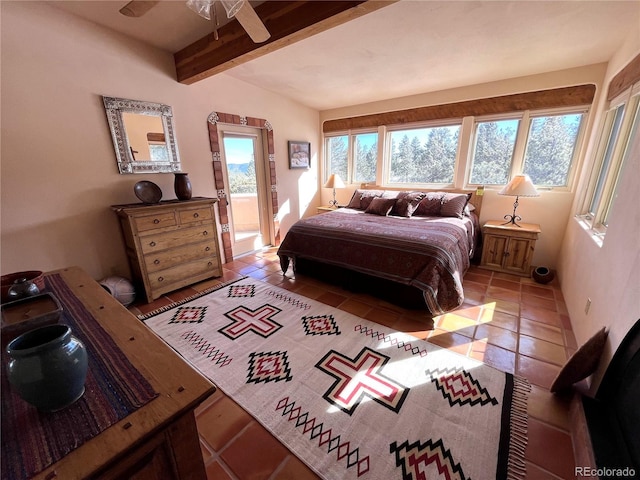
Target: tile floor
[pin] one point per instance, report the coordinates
(508, 322)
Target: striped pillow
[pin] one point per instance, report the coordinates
(453, 204)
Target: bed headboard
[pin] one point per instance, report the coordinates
(476, 200)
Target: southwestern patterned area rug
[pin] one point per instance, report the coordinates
(351, 398)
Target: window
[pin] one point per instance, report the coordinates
(336, 153)
(619, 128)
(365, 158)
(493, 151)
(551, 145)
(423, 155)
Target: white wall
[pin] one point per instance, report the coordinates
(58, 166)
(609, 274)
(552, 210)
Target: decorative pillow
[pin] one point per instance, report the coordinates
(430, 205)
(362, 198)
(582, 363)
(381, 206)
(406, 203)
(453, 204)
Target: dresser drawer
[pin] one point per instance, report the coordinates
(164, 278)
(176, 238)
(194, 215)
(151, 222)
(177, 256)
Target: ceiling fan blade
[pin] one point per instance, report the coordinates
(137, 8)
(251, 22)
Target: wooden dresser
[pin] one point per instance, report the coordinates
(158, 440)
(172, 244)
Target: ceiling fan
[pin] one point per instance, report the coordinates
(238, 9)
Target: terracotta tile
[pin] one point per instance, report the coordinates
(259, 274)
(221, 422)
(455, 323)
(507, 276)
(537, 372)
(503, 294)
(213, 398)
(310, 291)
(471, 311)
(565, 321)
(539, 302)
(254, 454)
(355, 307)
(473, 298)
(382, 316)
(497, 336)
(541, 331)
(549, 407)
(541, 315)
(542, 350)
(216, 472)
(295, 469)
(534, 472)
(207, 453)
(544, 439)
(451, 341)
(480, 271)
(419, 329)
(476, 277)
(496, 357)
(512, 308)
(331, 298)
(149, 307)
(472, 287)
(499, 319)
(507, 284)
(570, 339)
(545, 292)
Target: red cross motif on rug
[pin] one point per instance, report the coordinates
(258, 321)
(416, 458)
(358, 378)
(459, 387)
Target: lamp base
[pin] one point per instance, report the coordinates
(333, 203)
(511, 220)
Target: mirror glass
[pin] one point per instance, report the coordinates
(143, 136)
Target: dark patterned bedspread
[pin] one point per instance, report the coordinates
(429, 253)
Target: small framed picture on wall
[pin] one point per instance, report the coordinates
(299, 154)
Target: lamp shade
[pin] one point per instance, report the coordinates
(520, 186)
(334, 182)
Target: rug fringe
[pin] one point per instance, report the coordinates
(153, 313)
(516, 467)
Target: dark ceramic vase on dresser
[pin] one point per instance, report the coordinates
(182, 186)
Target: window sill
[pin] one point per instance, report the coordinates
(596, 234)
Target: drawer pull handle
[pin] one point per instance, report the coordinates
(152, 244)
(205, 233)
(156, 221)
(210, 263)
(207, 249)
(161, 279)
(156, 261)
(196, 215)
(506, 254)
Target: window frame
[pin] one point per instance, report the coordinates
(465, 148)
(597, 221)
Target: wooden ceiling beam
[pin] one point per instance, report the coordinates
(287, 21)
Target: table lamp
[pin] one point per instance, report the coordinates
(334, 182)
(519, 186)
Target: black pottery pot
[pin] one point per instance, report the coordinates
(542, 275)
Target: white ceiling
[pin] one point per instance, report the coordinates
(410, 47)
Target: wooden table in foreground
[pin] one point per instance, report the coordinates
(160, 439)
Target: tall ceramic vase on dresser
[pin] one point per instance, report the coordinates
(182, 186)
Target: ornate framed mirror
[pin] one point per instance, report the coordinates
(143, 136)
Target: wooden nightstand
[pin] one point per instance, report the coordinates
(325, 209)
(509, 248)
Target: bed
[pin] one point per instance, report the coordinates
(405, 244)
